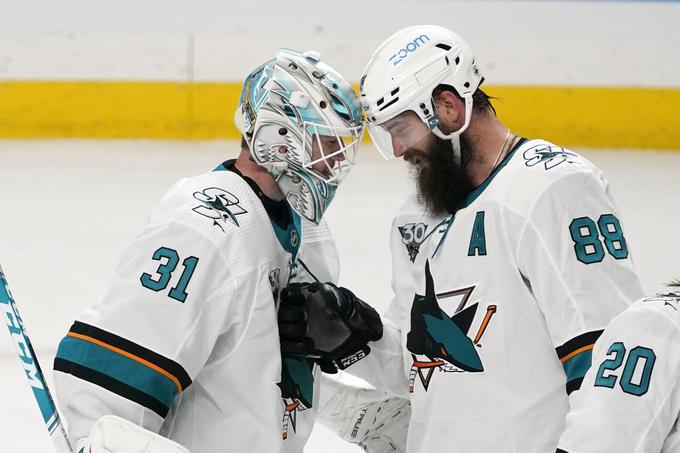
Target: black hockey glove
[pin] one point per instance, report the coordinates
(327, 323)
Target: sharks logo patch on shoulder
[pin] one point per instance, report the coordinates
(219, 205)
(669, 299)
(549, 156)
(439, 337)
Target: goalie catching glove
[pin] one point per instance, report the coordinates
(327, 323)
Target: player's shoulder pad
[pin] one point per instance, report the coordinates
(218, 204)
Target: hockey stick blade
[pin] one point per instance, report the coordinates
(32, 369)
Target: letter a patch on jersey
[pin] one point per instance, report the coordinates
(438, 340)
(478, 238)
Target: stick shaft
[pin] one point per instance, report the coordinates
(34, 374)
(490, 310)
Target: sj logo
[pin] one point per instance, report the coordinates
(219, 205)
(439, 340)
(549, 156)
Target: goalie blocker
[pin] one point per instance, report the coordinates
(327, 323)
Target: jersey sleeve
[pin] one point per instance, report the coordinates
(572, 253)
(384, 366)
(135, 352)
(629, 400)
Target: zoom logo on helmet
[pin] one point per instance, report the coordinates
(410, 47)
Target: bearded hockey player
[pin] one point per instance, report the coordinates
(185, 342)
(630, 398)
(508, 260)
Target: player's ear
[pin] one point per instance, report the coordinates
(450, 109)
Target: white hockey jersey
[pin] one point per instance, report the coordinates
(630, 398)
(185, 340)
(497, 307)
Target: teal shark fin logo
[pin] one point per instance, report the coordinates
(443, 340)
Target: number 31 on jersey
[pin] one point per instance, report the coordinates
(169, 259)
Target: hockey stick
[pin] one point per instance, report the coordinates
(32, 369)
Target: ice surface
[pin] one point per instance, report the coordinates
(69, 208)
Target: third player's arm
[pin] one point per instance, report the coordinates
(630, 398)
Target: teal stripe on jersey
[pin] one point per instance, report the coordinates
(576, 367)
(118, 367)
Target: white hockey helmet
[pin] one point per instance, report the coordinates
(302, 122)
(404, 71)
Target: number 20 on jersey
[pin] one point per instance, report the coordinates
(636, 374)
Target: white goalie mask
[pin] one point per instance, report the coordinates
(401, 76)
(302, 122)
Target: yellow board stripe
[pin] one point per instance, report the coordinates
(612, 117)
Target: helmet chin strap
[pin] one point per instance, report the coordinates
(455, 145)
(454, 137)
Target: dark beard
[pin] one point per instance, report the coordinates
(442, 184)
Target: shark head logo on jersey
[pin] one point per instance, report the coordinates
(219, 205)
(549, 156)
(412, 236)
(439, 339)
